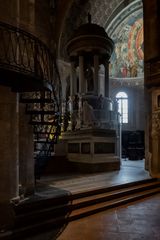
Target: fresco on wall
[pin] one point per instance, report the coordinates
(127, 58)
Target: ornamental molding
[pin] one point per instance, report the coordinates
(155, 124)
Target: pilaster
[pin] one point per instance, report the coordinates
(9, 160)
(26, 148)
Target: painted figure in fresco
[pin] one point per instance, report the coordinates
(133, 70)
(124, 70)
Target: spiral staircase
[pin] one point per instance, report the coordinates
(27, 66)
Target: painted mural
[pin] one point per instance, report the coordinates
(127, 58)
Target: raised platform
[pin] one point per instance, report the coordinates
(92, 150)
(130, 171)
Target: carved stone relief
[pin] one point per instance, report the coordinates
(156, 124)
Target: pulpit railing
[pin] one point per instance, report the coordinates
(22, 52)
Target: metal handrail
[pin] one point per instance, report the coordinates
(21, 51)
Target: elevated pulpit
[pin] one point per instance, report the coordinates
(92, 132)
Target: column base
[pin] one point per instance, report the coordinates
(6, 217)
(26, 190)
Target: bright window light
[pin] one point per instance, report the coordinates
(122, 99)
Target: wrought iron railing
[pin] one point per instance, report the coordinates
(22, 52)
(25, 54)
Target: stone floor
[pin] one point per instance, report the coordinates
(136, 221)
(130, 171)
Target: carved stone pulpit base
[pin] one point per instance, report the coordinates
(92, 150)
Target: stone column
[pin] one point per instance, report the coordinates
(96, 80)
(26, 149)
(73, 82)
(151, 70)
(32, 12)
(81, 75)
(9, 148)
(106, 82)
(154, 167)
(79, 124)
(154, 163)
(71, 96)
(151, 29)
(148, 141)
(8, 11)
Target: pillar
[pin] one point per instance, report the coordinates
(71, 98)
(9, 162)
(81, 75)
(96, 70)
(154, 164)
(106, 82)
(26, 151)
(151, 29)
(148, 141)
(154, 167)
(73, 80)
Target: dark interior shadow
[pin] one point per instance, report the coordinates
(42, 216)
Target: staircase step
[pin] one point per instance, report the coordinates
(101, 197)
(38, 228)
(36, 152)
(7, 235)
(42, 141)
(100, 190)
(40, 112)
(47, 213)
(102, 206)
(41, 134)
(37, 203)
(40, 123)
(41, 215)
(42, 160)
(36, 100)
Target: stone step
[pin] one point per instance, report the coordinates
(96, 208)
(85, 204)
(99, 190)
(92, 199)
(39, 215)
(82, 202)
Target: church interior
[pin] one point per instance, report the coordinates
(79, 115)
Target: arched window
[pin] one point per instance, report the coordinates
(122, 99)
